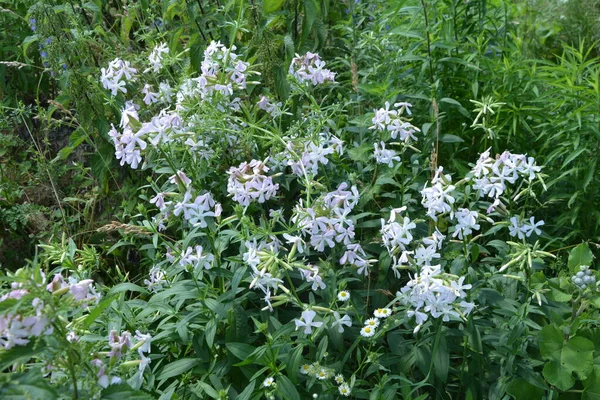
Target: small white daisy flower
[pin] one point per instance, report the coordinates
(343, 295)
(372, 322)
(367, 331)
(322, 374)
(344, 390)
(269, 382)
(383, 312)
(305, 369)
(339, 379)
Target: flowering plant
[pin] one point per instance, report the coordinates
(285, 254)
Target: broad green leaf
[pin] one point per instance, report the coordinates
(240, 350)
(293, 364)
(177, 368)
(580, 255)
(26, 386)
(521, 389)
(18, 354)
(558, 376)
(551, 342)
(286, 388)
(123, 391)
(578, 355)
(247, 392)
(441, 360)
(127, 286)
(270, 6)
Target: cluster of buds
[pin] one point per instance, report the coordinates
(584, 278)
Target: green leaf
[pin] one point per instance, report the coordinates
(310, 15)
(521, 389)
(557, 376)
(96, 311)
(551, 342)
(286, 388)
(447, 138)
(28, 41)
(240, 350)
(293, 365)
(247, 392)
(124, 391)
(580, 255)
(591, 389)
(177, 368)
(270, 6)
(578, 355)
(27, 386)
(441, 360)
(127, 286)
(210, 332)
(209, 390)
(18, 354)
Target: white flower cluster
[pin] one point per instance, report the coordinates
(438, 198)
(310, 68)
(584, 278)
(274, 109)
(83, 291)
(196, 258)
(162, 125)
(128, 144)
(328, 222)
(156, 57)
(431, 293)
(261, 279)
(307, 322)
(16, 330)
(397, 235)
(490, 176)
(197, 211)
(386, 120)
(248, 183)
(116, 76)
(466, 223)
(221, 72)
(304, 157)
(157, 279)
(522, 229)
(385, 156)
(119, 345)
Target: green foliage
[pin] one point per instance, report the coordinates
(479, 75)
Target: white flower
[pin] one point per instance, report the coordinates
(156, 57)
(305, 369)
(383, 156)
(146, 338)
(467, 222)
(268, 382)
(344, 390)
(372, 322)
(341, 321)
(382, 312)
(367, 331)
(343, 295)
(310, 68)
(308, 323)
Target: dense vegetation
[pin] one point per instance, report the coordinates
(299, 198)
